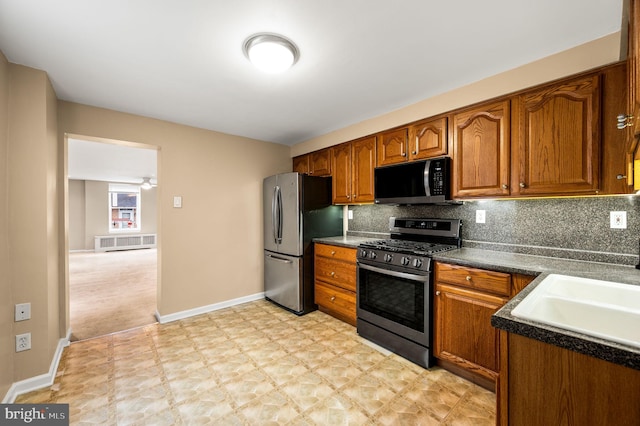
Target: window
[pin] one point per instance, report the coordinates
(124, 207)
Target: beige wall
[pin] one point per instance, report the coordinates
(77, 204)
(33, 214)
(211, 248)
(587, 56)
(89, 212)
(6, 298)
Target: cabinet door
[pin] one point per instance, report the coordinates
(392, 147)
(364, 157)
(481, 151)
(557, 139)
(428, 139)
(341, 166)
(463, 331)
(301, 164)
(320, 163)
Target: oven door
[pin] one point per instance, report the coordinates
(399, 302)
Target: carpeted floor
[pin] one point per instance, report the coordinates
(112, 291)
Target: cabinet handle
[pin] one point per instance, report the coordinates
(333, 274)
(438, 293)
(355, 196)
(468, 277)
(348, 197)
(522, 185)
(333, 298)
(333, 252)
(505, 186)
(413, 152)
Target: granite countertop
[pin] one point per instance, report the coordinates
(345, 241)
(542, 266)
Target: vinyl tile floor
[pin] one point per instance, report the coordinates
(255, 364)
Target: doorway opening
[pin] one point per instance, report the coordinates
(112, 228)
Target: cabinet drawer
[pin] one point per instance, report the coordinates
(336, 272)
(336, 300)
(336, 252)
(494, 282)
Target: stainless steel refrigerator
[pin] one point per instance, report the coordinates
(297, 208)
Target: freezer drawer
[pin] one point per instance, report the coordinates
(283, 280)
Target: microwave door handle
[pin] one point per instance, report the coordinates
(427, 178)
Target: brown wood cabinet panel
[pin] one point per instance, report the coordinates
(336, 301)
(519, 282)
(335, 281)
(615, 172)
(428, 139)
(363, 162)
(479, 279)
(392, 147)
(336, 272)
(557, 139)
(301, 164)
(549, 385)
(336, 252)
(481, 150)
(341, 166)
(320, 163)
(463, 333)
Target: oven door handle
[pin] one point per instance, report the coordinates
(408, 276)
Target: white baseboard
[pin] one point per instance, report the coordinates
(41, 381)
(163, 319)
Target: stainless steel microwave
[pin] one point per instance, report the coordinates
(415, 182)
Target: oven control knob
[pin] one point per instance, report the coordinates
(363, 253)
(372, 255)
(388, 257)
(405, 261)
(417, 263)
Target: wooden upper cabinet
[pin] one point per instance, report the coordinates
(320, 163)
(301, 164)
(481, 150)
(353, 164)
(341, 180)
(392, 147)
(556, 146)
(317, 163)
(428, 139)
(363, 153)
(633, 69)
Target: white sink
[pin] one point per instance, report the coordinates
(597, 308)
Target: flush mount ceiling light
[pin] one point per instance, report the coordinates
(146, 183)
(271, 53)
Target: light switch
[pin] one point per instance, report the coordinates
(177, 202)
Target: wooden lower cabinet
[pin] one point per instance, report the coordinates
(465, 299)
(549, 385)
(335, 281)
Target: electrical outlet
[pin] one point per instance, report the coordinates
(481, 216)
(23, 342)
(23, 311)
(618, 220)
(350, 214)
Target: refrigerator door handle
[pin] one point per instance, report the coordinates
(279, 259)
(274, 213)
(279, 216)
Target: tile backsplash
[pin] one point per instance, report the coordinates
(574, 228)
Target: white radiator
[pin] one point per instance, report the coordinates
(124, 242)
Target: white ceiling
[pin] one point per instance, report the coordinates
(110, 162)
(182, 60)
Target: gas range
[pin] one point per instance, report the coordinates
(412, 243)
(395, 288)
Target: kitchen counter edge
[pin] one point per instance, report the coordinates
(541, 267)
